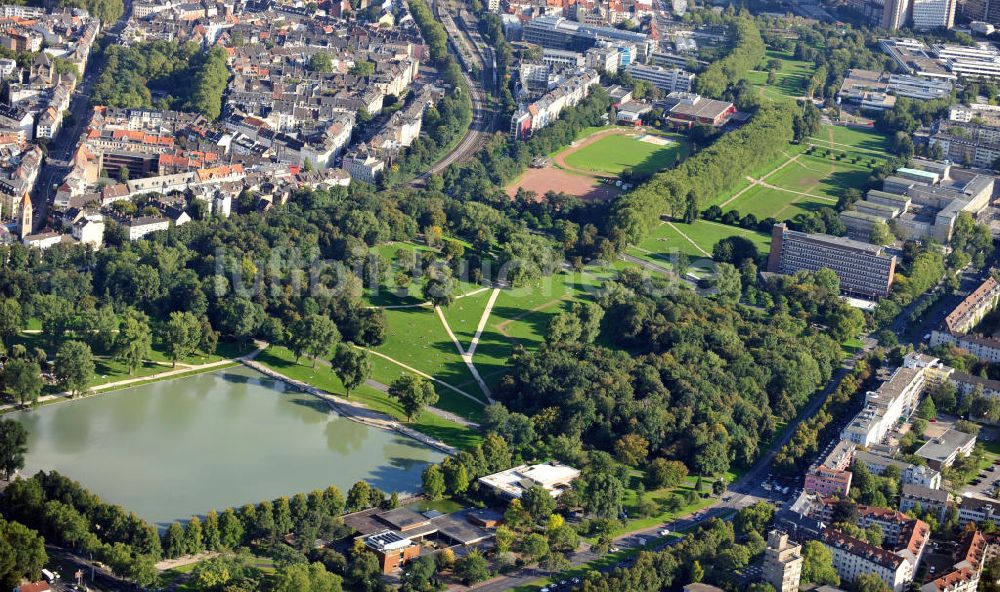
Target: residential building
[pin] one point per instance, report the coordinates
(935, 500)
(853, 557)
(511, 484)
(977, 509)
(971, 310)
(893, 402)
(827, 482)
(969, 556)
(942, 451)
(863, 269)
(782, 562)
(546, 110)
(392, 549)
(363, 166)
(912, 474)
(141, 226)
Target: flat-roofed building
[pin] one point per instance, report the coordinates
(934, 500)
(912, 474)
(942, 451)
(863, 269)
(893, 402)
(512, 483)
(392, 549)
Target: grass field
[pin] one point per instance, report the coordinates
(791, 78)
(614, 153)
(668, 239)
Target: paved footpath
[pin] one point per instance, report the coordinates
(181, 369)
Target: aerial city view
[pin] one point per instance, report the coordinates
(530, 295)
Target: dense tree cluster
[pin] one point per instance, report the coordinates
(745, 55)
(108, 11)
(191, 79)
(702, 383)
(703, 176)
(711, 555)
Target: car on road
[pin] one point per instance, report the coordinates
(664, 532)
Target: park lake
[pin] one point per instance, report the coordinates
(169, 450)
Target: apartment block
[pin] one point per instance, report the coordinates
(893, 402)
(933, 14)
(863, 269)
(782, 562)
(935, 500)
(853, 557)
(666, 79)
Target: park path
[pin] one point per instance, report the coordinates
(379, 386)
(424, 375)
(353, 410)
(181, 369)
(466, 357)
(753, 181)
(483, 320)
(688, 239)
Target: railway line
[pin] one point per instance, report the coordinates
(471, 54)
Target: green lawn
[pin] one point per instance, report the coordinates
(282, 360)
(865, 139)
(614, 153)
(661, 245)
(791, 77)
(812, 182)
(463, 315)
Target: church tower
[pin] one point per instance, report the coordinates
(25, 217)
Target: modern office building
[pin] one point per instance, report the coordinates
(666, 79)
(782, 562)
(561, 33)
(863, 269)
(933, 14)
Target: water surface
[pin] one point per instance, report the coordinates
(168, 450)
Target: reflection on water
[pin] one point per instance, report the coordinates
(169, 450)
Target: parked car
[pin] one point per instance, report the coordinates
(664, 532)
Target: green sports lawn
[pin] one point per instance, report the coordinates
(660, 246)
(614, 153)
(823, 180)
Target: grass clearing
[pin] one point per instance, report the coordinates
(791, 78)
(667, 240)
(615, 153)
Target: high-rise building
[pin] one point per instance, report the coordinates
(933, 14)
(863, 268)
(782, 562)
(896, 14)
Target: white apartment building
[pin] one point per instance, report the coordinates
(364, 166)
(933, 14)
(893, 402)
(140, 227)
(912, 474)
(853, 557)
